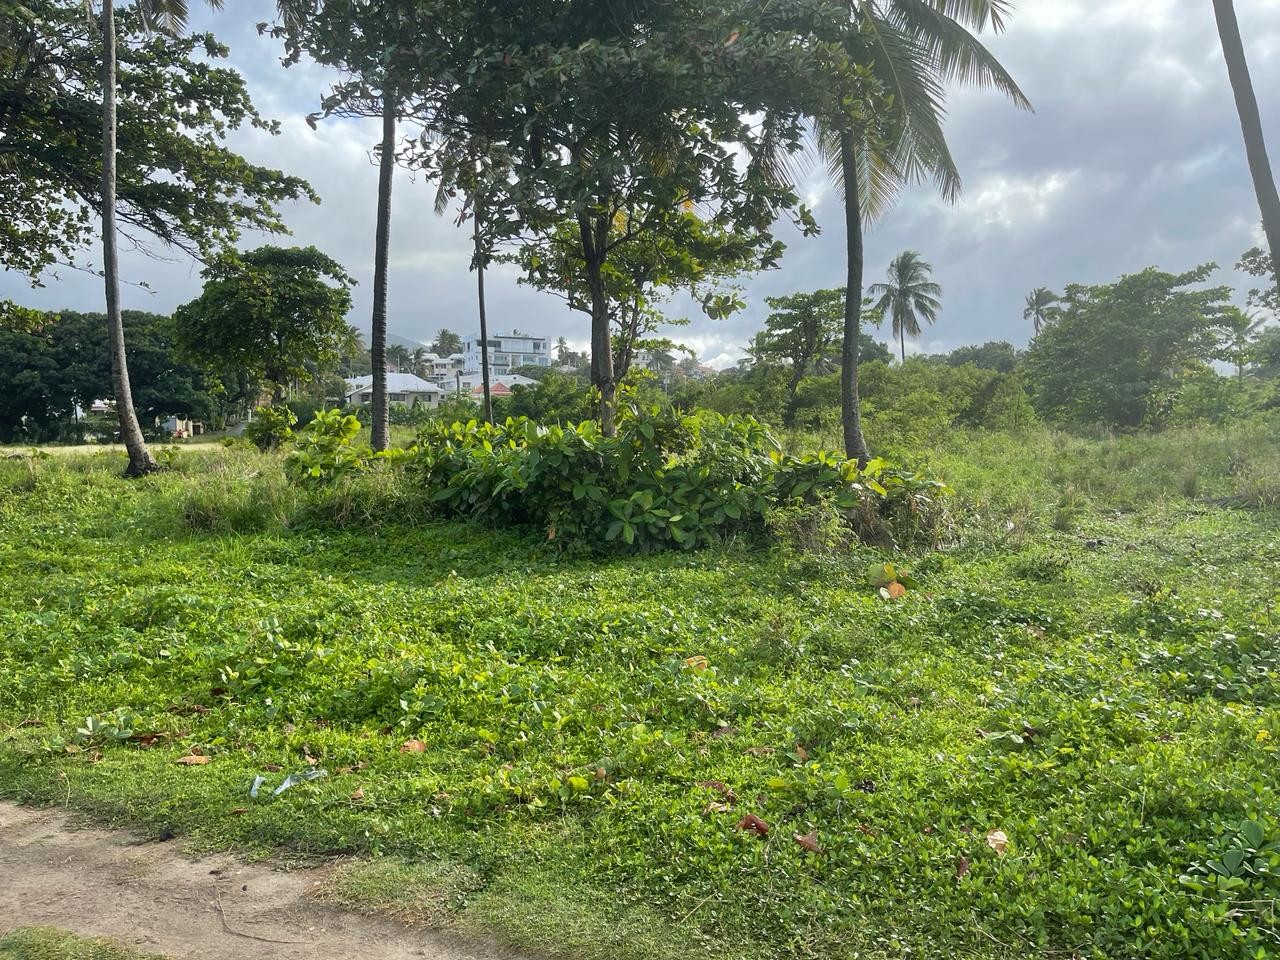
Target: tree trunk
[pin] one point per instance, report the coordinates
(484, 321)
(602, 372)
(793, 395)
(1255, 144)
(140, 460)
(855, 444)
(381, 257)
(902, 341)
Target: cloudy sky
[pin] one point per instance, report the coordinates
(1132, 158)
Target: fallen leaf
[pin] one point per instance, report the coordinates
(715, 806)
(698, 663)
(601, 773)
(724, 732)
(962, 867)
(237, 811)
(733, 38)
(896, 591)
(193, 760)
(272, 767)
(801, 752)
(724, 790)
(358, 795)
(809, 841)
(413, 746)
(759, 751)
(998, 841)
(752, 822)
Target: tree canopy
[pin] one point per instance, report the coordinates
(1114, 352)
(277, 312)
(176, 180)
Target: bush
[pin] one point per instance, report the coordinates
(664, 481)
(271, 427)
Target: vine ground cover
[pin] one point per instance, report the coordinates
(1060, 740)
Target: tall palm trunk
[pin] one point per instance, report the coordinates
(902, 341)
(140, 460)
(381, 256)
(855, 444)
(1251, 124)
(484, 321)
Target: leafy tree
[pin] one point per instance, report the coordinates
(276, 312)
(1040, 306)
(998, 355)
(1257, 264)
(171, 132)
(612, 111)
(804, 331)
(1115, 351)
(1251, 125)
(689, 254)
(557, 397)
(908, 297)
(32, 390)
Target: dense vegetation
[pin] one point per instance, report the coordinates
(1055, 736)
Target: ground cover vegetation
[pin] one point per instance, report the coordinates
(1053, 734)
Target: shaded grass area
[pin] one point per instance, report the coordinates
(1100, 687)
(45, 943)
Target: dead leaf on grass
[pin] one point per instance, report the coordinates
(413, 746)
(809, 841)
(754, 823)
(998, 841)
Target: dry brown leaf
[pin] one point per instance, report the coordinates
(759, 751)
(715, 806)
(724, 732)
(962, 867)
(752, 822)
(413, 746)
(698, 663)
(998, 841)
(733, 38)
(358, 795)
(801, 752)
(601, 773)
(237, 811)
(193, 760)
(809, 841)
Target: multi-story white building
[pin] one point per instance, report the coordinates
(507, 351)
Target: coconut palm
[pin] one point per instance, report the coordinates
(909, 296)
(1255, 143)
(447, 343)
(165, 16)
(1242, 327)
(399, 355)
(1040, 302)
(913, 48)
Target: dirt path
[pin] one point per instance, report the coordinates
(152, 898)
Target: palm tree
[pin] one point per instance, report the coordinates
(913, 49)
(447, 343)
(908, 297)
(1040, 302)
(397, 354)
(1255, 144)
(562, 351)
(166, 16)
(1243, 327)
(381, 438)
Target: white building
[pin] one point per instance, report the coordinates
(403, 390)
(507, 351)
(473, 384)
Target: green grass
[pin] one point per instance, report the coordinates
(1091, 669)
(44, 943)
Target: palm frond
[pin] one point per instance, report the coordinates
(960, 56)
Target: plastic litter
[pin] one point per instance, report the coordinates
(289, 783)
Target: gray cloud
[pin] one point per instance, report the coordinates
(1132, 158)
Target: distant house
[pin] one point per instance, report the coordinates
(507, 351)
(403, 390)
(473, 384)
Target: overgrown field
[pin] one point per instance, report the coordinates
(1061, 741)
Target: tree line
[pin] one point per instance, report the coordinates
(615, 151)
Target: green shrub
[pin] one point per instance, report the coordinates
(664, 481)
(271, 427)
